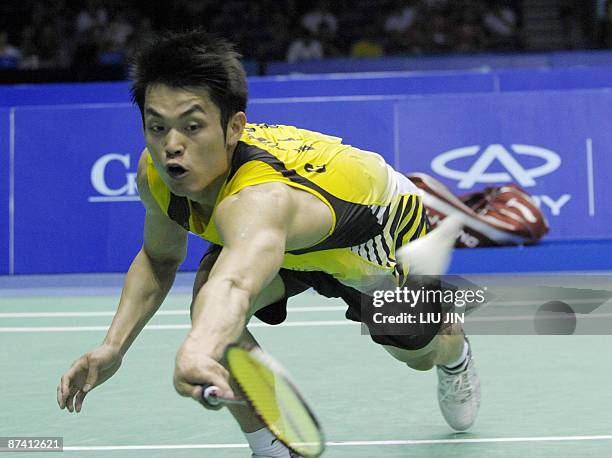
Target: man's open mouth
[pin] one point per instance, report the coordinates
(176, 171)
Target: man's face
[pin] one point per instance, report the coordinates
(184, 136)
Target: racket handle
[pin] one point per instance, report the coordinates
(209, 396)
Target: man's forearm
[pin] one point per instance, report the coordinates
(219, 316)
(146, 285)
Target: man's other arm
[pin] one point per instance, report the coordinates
(152, 272)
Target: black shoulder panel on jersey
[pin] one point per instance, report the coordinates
(355, 223)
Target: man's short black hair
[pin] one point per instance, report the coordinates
(189, 60)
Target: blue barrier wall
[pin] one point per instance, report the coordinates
(554, 79)
(4, 189)
(64, 94)
(77, 208)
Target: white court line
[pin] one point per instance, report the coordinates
(171, 327)
(97, 199)
(329, 98)
(331, 308)
(472, 318)
(322, 308)
(484, 440)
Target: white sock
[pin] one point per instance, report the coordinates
(264, 444)
(462, 357)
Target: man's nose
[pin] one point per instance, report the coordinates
(174, 145)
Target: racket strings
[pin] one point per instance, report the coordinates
(276, 401)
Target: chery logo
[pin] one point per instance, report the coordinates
(515, 172)
(477, 173)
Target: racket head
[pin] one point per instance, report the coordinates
(275, 399)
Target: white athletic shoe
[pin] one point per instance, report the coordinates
(459, 395)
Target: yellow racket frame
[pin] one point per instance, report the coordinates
(275, 399)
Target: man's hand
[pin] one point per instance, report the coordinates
(87, 372)
(196, 367)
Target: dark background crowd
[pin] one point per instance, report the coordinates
(95, 39)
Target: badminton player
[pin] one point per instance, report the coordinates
(285, 209)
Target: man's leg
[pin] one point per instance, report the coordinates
(261, 441)
(458, 382)
(443, 349)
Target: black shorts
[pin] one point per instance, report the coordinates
(325, 284)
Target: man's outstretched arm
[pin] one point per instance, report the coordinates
(254, 226)
(147, 283)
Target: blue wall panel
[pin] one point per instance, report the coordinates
(554, 79)
(77, 208)
(581, 58)
(62, 94)
(540, 140)
(4, 189)
(60, 226)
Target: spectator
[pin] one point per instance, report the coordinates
(400, 27)
(328, 40)
(571, 15)
(304, 47)
(501, 24)
(608, 25)
(29, 53)
(9, 55)
(91, 16)
(52, 50)
(368, 45)
(143, 33)
(275, 38)
(119, 30)
(439, 38)
(401, 18)
(470, 37)
(321, 14)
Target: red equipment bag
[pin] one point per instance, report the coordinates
(497, 216)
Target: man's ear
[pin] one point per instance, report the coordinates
(235, 128)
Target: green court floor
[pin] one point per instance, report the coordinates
(542, 395)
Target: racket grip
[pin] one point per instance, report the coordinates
(209, 397)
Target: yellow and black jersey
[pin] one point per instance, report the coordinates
(375, 209)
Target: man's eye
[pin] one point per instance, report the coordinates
(156, 128)
(193, 127)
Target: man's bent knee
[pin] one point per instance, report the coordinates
(421, 359)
